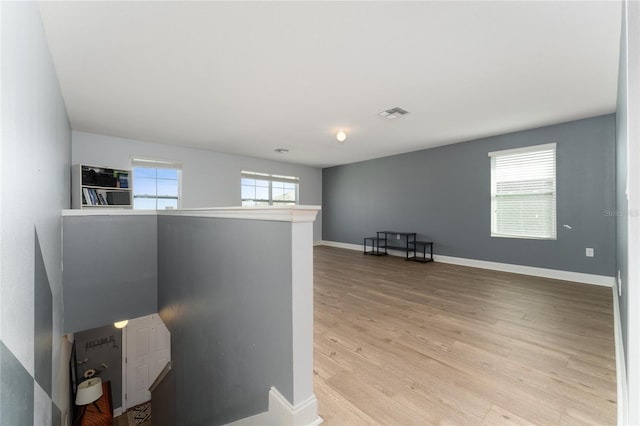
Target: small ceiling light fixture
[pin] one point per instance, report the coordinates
(392, 113)
(121, 324)
(281, 150)
(341, 136)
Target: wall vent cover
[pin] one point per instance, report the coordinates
(392, 113)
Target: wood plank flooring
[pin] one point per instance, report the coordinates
(403, 343)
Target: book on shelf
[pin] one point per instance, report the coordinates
(87, 200)
(92, 197)
(123, 180)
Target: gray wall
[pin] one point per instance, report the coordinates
(443, 194)
(224, 292)
(622, 205)
(110, 269)
(163, 402)
(35, 158)
(209, 179)
(102, 345)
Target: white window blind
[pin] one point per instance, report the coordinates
(523, 192)
(259, 189)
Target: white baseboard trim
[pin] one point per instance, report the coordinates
(621, 368)
(282, 413)
(117, 412)
(555, 274)
(339, 245)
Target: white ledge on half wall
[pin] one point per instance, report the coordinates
(294, 214)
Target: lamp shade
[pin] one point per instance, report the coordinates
(89, 391)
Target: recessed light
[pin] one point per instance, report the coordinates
(281, 150)
(392, 113)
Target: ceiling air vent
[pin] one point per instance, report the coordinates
(392, 113)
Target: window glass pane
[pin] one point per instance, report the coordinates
(289, 195)
(277, 193)
(145, 186)
(168, 187)
(248, 203)
(163, 203)
(262, 193)
(144, 172)
(151, 182)
(144, 203)
(168, 174)
(248, 192)
(268, 189)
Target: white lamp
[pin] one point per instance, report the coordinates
(89, 391)
(341, 136)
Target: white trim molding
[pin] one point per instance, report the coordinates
(621, 367)
(282, 413)
(295, 214)
(97, 211)
(555, 274)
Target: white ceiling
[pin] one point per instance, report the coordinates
(250, 77)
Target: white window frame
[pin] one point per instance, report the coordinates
(270, 178)
(512, 155)
(158, 164)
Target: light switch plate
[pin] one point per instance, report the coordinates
(589, 252)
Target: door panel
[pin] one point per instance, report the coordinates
(148, 350)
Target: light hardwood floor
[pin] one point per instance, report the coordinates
(403, 343)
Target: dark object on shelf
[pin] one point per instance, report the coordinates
(95, 176)
(118, 198)
(89, 177)
(424, 258)
(107, 180)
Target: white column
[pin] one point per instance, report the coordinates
(304, 401)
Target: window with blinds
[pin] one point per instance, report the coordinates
(523, 192)
(156, 184)
(262, 189)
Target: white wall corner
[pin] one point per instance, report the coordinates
(282, 413)
(285, 414)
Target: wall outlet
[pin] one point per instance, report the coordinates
(589, 252)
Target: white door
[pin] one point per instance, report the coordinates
(148, 349)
